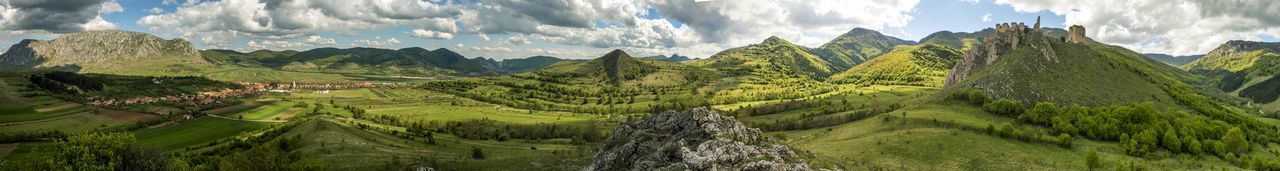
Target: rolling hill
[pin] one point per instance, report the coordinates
(1245, 69)
(1176, 61)
(856, 46)
(109, 51)
(772, 58)
(518, 65)
(414, 61)
(924, 65)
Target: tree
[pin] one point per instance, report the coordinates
(1004, 107)
(477, 154)
(92, 151)
(1217, 147)
(1091, 159)
(1065, 140)
(1193, 145)
(1171, 141)
(1040, 113)
(1146, 141)
(1235, 141)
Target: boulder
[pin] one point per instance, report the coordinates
(696, 139)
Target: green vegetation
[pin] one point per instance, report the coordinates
(923, 65)
(205, 129)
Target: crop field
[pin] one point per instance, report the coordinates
(198, 131)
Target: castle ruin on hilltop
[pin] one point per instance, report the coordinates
(1008, 37)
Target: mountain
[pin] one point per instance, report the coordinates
(696, 139)
(518, 65)
(1172, 60)
(109, 51)
(773, 57)
(1244, 68)
(1025, 65)
(856, 46)
(618, 66)
(925, 64)
(672, 58)
(412, 60)
(956, 40)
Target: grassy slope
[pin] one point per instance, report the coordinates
(195, 132)
(923, 64)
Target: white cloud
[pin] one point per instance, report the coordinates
(975, 2)
(254, 19)
(169, 2)
(310, 41)
(375, 42)
(1176, 27)
(459, 45)
(516, 41)
(430, 34)
(155, 10)
(39, 17)
(986, 18)
(484, 37)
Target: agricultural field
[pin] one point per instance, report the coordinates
(196, 132)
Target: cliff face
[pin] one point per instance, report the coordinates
(1008, 37)
(697, 139)
(110, 51)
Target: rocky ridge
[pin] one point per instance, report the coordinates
(98, 49)
(1008, 36)
(697, 139)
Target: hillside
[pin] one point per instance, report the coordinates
(110, 51)
(414, 61)
(1022, 64)
(924, 65)
(614, 68)
(1245, 69)
(772, 58)
(1176, 61)
(956, 40)
(672, 58)
(518, 65)
(857, 46)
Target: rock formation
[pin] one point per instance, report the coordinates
(1075, 34)
(1008, 36)
(697, 139)
(106, 51)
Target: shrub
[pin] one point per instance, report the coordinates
(1091, 159)
(477, 154)
(1004, 107)
(1235, 141)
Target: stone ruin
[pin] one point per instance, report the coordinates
(1075, 34)
(1007, 37)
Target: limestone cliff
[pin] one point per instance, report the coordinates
(1008, 37)
(697, 139)
(110, 51)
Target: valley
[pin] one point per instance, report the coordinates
(1011, 96)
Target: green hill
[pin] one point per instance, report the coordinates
(857, 46)
(108, 51)
(924, 65)
(772, 58)
(1245, 69)
(956, 40)
(615, 68)
(1176, 61)
(413, 61)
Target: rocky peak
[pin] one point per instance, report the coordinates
(105, 51)
(1007, 37)
(1242, 46)
(696, 139)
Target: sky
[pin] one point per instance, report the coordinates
(505, 29)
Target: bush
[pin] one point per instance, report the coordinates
(1004, 107)
(477, 154)
(1065, 140)
(1171, 141)
(1092, 160)
(1041, 113)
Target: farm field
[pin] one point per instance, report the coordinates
(195, 132)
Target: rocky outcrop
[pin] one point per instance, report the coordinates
(1075, 34)
(697, 139)
(109, 50)
(1008, 36)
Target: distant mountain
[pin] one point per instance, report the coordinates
(956, 40)
(618, 66)
(773, 57)
(672, 58)
(856, 46)
(1175, 61)
(110, 51)
(518, 65)
(1244, 68)
(1023, 64)
(412, 60)
(924, 65)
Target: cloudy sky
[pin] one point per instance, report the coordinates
(588, 28)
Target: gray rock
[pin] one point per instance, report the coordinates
(697, 139)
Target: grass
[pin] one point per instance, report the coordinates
(345, 147)
(262, 112)
(194, 132)
(76, 123)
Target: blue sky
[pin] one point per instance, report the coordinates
(588, 28)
